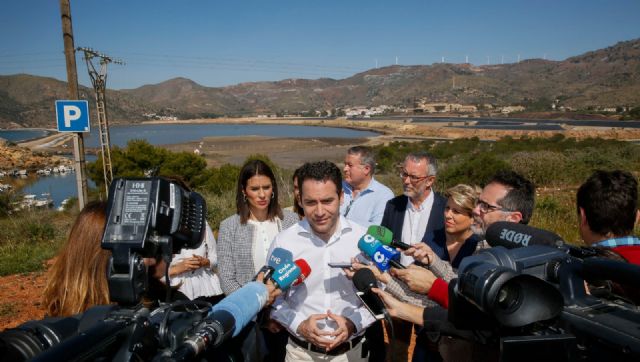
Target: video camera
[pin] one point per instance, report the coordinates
(532, 303)
(146, 218)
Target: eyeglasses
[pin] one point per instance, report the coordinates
(412, 178)
(486, 208)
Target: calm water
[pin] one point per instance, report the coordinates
(63, 186)
(22, 135)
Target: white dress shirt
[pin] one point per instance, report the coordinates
(415, 224)
(264, 232)
(325, 288)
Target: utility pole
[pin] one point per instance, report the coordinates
(72, 85)
(99, 81)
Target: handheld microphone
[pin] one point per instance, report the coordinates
(226, 319)
(305, 270)
(286, 274)
(364, 280)
(385, 236)
(382, 255)
(512, 235)
(276, 259)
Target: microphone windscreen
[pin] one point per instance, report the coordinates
(368, 244)
(286, 274)
(364, 279)
(512, 235)
(381, 233)
(279, 256)
(305, 270)
(243, 304)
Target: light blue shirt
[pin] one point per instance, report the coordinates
(368, 206)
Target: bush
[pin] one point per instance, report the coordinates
(541, 167)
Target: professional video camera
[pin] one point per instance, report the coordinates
(532, 302)
(147, 218)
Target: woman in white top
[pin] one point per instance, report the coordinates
(193, 271)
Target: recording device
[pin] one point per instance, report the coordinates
(531, 302)
(305, 270)
(283, 271)
(385, 236)
(513, 235)
(342, 265)
(364, 280)
(147, 218)
(383, 256)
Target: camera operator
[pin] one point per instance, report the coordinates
(607, 206)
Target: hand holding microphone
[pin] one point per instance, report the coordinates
(383, 256)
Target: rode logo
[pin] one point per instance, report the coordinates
(515, 237)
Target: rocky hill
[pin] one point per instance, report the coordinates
(607, 77)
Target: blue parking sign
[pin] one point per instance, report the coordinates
(72, 116)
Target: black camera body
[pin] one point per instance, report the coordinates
(532, 304)
(146, 218)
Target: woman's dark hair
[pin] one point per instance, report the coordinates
(296, 204)
(250, 169)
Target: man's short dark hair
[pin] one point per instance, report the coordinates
(320, 171)
(367, 157)
(610, 202)
(521, 195)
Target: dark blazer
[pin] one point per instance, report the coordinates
(393, 219)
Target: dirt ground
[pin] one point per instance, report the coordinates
(20, 298)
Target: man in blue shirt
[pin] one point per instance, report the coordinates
(364, 197)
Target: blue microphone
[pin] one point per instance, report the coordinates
(383, 256)
(279, 256)
(225, 320)
(285, 274)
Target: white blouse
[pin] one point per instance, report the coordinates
(264, 232)
(202, 282)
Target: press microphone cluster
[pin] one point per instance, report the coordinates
(385, 236)
(383, 256)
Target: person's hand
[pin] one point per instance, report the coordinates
(421, 252)
(202, 261)
(398, 309)
(314, 335)
(380, 276)
(273, 289)
(344, 330)
(418, 279)
(184, 265)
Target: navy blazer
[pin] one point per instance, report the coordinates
(393, 219)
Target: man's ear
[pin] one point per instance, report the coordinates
(514, 216)
(341, 196)
(583, 218)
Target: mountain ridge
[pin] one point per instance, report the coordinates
(608, 77)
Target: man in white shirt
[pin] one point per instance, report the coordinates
(414, 217)
(324, 317)
(364, 197)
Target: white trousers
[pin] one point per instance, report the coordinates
(296, 353)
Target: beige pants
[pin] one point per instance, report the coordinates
(297, 353)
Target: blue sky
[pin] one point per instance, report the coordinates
(218, 43)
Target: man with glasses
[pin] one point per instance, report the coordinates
(507, 197)
(364, 197)
(415, 217)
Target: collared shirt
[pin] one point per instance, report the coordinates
(415, 224)
(325, 288)
(367, 208)
(621, 241)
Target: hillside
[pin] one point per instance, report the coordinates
(606, 77)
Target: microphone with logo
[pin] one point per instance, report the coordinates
(383, 256)
(385, 236)
(512, 235)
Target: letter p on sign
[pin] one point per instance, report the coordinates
(72, 116)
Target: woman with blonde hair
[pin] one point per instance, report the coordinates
(78, 278)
